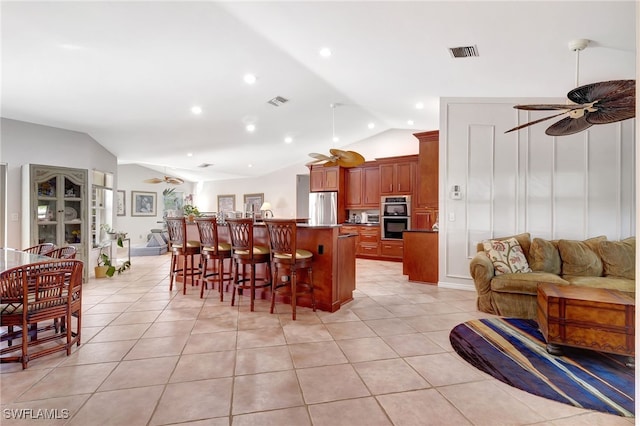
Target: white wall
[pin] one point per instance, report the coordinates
(572, 187)
(28, 143)
(131, 178)
(279, 188)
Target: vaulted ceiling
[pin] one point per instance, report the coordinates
(129, 73)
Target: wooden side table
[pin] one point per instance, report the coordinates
(591, 318)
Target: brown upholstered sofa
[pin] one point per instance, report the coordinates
(595, 262)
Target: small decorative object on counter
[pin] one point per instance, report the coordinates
(435, 226)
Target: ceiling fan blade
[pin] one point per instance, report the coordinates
(611, 115)
(347, 158)
(545, 107)
(602, 91)
(522, 126)
(153, 180)
(320, 157)
(568, 126)
(173, 180)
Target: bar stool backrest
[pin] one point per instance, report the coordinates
(208, 231)
(40, 248)
(177, 228)
(241, 232)
(282, 237)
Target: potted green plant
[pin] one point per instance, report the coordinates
(113, 234)
(191, 212)
(105, 267)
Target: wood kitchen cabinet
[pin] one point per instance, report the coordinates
(324, 179)
(363, 187)
(427, 194)
(398, 177)
(392, 249)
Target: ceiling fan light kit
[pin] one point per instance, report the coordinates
(596, 103)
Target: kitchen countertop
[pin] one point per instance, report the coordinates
(421, 230)
(360, 224)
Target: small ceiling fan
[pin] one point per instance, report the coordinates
(337, 157)
(596, 103)
(167, 179)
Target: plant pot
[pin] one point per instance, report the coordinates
(101, 271)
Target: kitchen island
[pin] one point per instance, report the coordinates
(334, 264)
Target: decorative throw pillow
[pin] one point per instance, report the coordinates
(619, 258)
(506, 255)
(581, 258)
(544, 256)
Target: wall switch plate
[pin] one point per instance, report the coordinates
(452, 217)
(14, 217)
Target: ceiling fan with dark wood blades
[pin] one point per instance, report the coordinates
(597, 103)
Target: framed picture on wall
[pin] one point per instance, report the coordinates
(253, 202)
(120, 203)
(143, 203)
(226, 203)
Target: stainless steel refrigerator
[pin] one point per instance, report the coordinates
(323, 208)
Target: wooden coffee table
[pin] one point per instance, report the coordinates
(591, 318)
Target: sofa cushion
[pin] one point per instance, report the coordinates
(524, 240)
(619, 258)
(544, 256)
(506, 255)
(581, 258)
(524, 283)
(613, 283)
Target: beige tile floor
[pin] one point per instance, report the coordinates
(154, 357)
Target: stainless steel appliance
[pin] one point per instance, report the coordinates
(396, 216)
(323, 208)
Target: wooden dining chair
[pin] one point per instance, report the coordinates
(66, 252)
(287, 259)
(246, 253)
(36, 293)
(40, 248)
(214, 250)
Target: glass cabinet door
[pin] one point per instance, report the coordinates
(59, 204)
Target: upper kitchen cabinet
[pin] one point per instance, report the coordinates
(363, 187)
(323, 179)
(54, 207)
(398, 175)
(427, 194)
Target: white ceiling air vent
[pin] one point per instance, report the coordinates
(464, 51)
(277, 101)
(205, 165)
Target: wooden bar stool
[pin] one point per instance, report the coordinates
(287, 259)
(211, 248)
(245, 253)
(182, 250)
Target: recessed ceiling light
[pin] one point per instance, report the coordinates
(336, 139)
(196, 110)
(325, 52)
(189, 154)
(371, 125)
(419, 105)
(250, 165)
(410, 122)
(288, 139)
(249, 78)
(251, 127)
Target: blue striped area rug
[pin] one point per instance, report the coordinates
(514, 352)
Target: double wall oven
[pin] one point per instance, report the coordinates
(395, 216)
